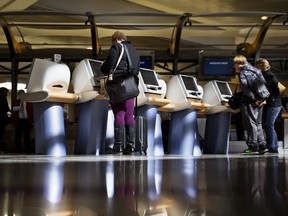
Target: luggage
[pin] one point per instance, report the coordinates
(141, 135)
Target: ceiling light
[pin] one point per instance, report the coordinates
(188, 23)
(264, 17)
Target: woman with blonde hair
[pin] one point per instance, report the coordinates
(272, 107)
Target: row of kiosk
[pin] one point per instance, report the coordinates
(181, 96)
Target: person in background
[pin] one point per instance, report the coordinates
(272, 107)
(124, 124)
(4, 118)
(251, 107)
(22, 120)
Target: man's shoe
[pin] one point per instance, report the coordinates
(250, 152)
(273, 151)
(263, 151)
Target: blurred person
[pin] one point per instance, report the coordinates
(272, 107)
(22, 120)
(124, 124)
(251, 107)
(4, 118)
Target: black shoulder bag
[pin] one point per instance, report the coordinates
(121, 89)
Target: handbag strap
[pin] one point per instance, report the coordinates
(130, 65)
(135, 108)
(118, 61)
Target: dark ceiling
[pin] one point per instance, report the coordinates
(215, 24)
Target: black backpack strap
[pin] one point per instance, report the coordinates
(236, 87)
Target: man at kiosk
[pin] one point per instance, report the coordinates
(124, 124)
(252, 105)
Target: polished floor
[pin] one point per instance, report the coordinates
(212, 185)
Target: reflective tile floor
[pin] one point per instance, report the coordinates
(212, 185)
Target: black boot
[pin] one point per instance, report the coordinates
(118, 139)
(130, 140)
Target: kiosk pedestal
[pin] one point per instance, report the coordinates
(91, 127)
(183, 135)
(217, 130)
(49, 129)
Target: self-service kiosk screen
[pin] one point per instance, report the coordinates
(96, 67)
(190, 83)
(149, 77)
(223, 88)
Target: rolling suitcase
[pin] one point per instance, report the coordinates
(140, 135)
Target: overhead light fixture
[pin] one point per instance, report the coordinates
(188, 22)
(264, 17)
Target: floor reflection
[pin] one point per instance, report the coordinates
(99, 185)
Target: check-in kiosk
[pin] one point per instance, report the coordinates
(47, 89)
(93, 108)
(85, 79)
(217, 127)
(152, 92)
(186, 101)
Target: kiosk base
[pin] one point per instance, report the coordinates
(184, 135)
(217, 132)
(49, 129)
(91, 127)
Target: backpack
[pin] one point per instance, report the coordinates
(259, 88)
